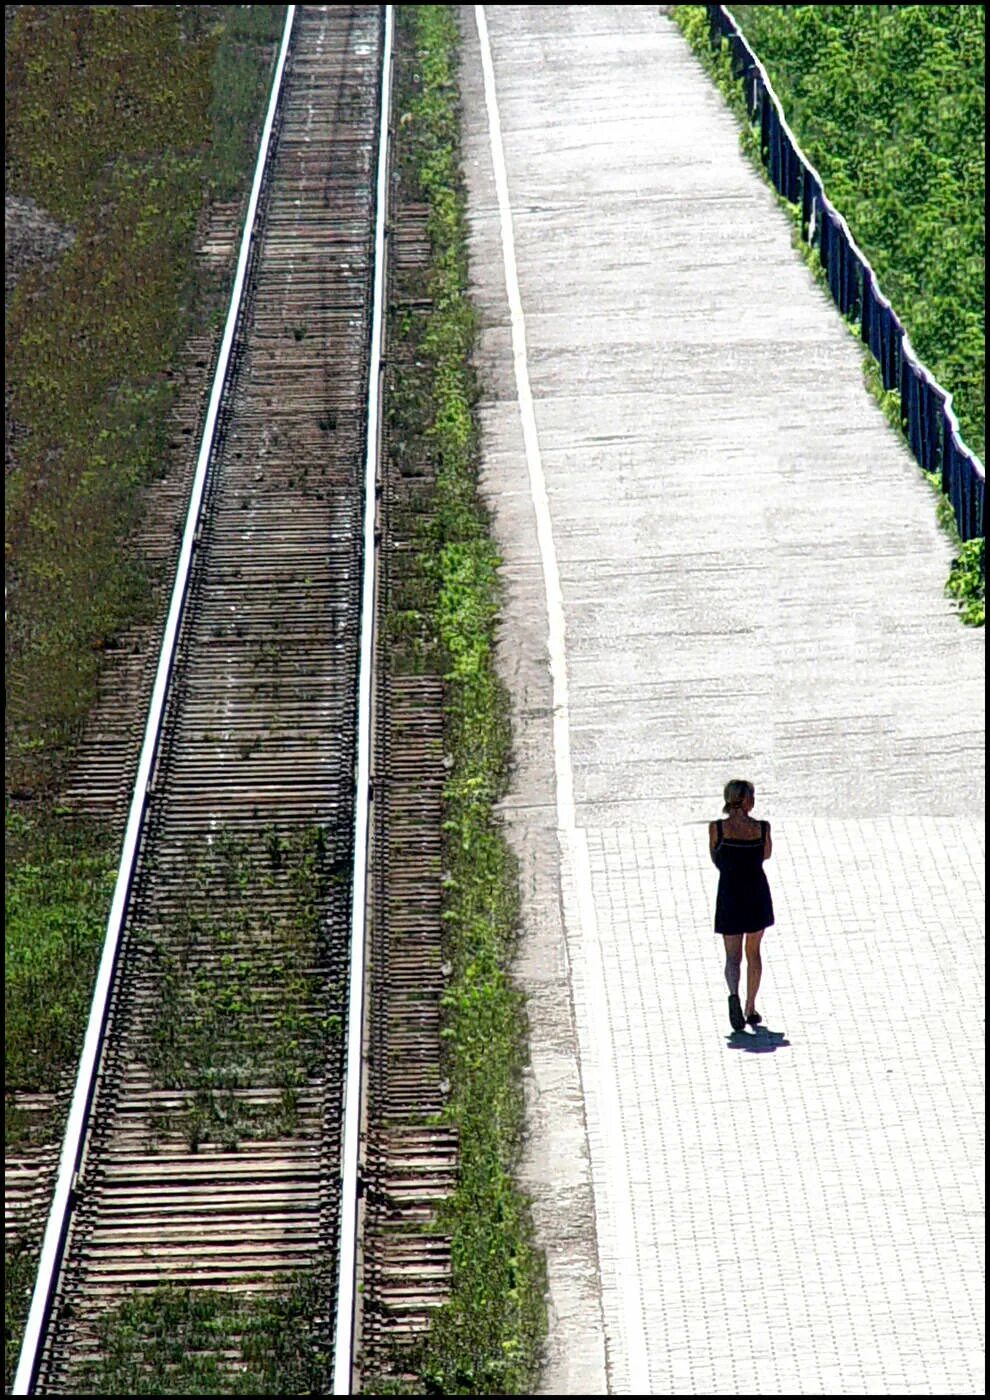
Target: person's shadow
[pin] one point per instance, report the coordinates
(758, 1041)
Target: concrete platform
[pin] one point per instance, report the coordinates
(719, 562)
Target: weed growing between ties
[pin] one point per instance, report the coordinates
(186, 1341)
(245, 1000)
(247, 1009)
(124, 123)
(886, 102)
(487, 1338)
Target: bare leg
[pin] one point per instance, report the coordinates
(754, 969)
(733, 960)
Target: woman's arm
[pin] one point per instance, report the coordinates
(712, 838)
(767, 843)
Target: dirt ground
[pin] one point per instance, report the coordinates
(31, 236)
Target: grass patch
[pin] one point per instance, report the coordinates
(59, 882)
(263, 1010)
(487, 1338)
(59, 879)
(19, 1267)
(240, 87)
(172, 1341)
(905, 241)
(124, 124)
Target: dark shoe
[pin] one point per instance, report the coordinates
(736, 1016)
(754, 1018)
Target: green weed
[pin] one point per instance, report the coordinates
(487, 1338)
(241, 1004)
(967, 581)
(184, 1341)
(59, 882)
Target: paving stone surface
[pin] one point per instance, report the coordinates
(751, 585)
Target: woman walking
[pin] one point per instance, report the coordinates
(743, 907)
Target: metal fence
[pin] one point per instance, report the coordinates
(930, 425)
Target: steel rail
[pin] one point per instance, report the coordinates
(344, 1329)
(907, 347)
(76, 1132)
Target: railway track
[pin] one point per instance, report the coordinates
(104, 765)
(410, 1158)
(213, 1144)
(100, 782)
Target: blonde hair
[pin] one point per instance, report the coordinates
(736, 793)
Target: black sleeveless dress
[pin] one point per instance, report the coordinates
(743, 903)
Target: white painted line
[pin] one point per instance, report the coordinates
(350, 1149)
(72, 1144)
(573, 843)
